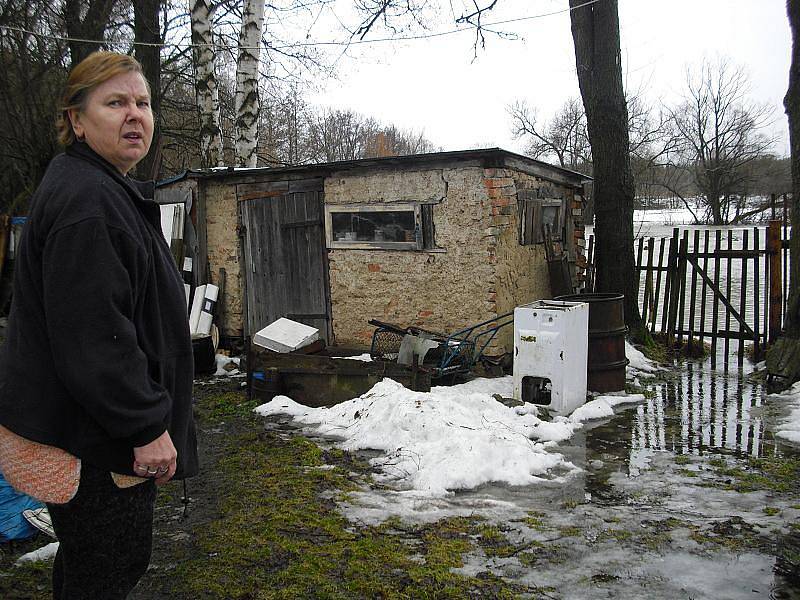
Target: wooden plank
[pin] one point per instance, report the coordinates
(785, 247)
(640, 251)
(173, 195)
(693, 296)
(715, 316)
(670, 304)
(703, 295)
(728, 295)
(655, 269)
(658, 285)
(682, 262)
(316, 184)
(743, 297)
(261, 189)
(756, 295)
(775, 284)
(733, 335)
(259, 196)
(301, 224)
(647, 305)
(737, 253)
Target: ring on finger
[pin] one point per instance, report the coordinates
(153, 472)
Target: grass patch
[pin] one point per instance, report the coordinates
(619, 535)
(682, 459)
(535, 520)
(734, 535)
(29, 581)
(278, 536)
(771, 511)
(221, 407)
(776, 474)
(570, 531)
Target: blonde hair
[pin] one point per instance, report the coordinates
(92, 71)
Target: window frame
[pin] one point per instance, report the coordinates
(416, 208)
(530, 211)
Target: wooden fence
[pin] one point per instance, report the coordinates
(723, 286)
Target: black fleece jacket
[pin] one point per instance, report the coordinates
(98, 356)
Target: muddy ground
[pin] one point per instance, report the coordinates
(660, 511)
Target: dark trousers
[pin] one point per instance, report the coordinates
(105, 538)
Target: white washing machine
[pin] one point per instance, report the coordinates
(550, 353)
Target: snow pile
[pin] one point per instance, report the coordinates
(789, 428)
(451, 438)
(639, 363)
(602, 407)
(226, 365)
(44, 553)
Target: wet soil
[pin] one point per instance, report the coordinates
(684, 496)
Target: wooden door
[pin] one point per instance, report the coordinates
(286, 261)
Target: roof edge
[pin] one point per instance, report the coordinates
(573, 177)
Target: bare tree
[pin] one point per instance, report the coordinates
(563, 137)
(718, 133)
(86, 22)
(32, 72)
(347, 135)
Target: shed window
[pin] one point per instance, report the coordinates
(386, 226)
(537, 214)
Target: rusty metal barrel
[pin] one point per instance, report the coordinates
(606, 352)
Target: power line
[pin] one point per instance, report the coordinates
(350, 42)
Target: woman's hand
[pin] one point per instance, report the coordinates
(157, 459)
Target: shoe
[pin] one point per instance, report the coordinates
(40, 518)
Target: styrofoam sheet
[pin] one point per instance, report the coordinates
(285, 335)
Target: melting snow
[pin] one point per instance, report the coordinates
(789, 428)
(450, 438)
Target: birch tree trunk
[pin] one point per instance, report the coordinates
(206, 85)
(247, 104)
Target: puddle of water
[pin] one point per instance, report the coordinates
(633, 523)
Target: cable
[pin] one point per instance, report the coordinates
(301, 44)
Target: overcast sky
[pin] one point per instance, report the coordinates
(435, 86)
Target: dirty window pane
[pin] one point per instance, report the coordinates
(551, 218)
(377, 226)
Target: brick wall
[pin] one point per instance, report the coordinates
(479, 271)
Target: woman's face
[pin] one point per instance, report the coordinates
(116, 120)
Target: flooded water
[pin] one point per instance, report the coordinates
(656, 511)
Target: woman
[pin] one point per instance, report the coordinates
(97, 365)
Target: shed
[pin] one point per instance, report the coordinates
(440, 241)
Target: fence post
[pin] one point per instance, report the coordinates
(775, 279)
